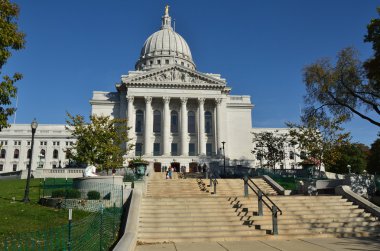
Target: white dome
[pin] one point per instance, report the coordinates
(165, 47)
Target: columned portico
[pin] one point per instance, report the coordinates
(166, 128)
(148, 144)
(201, 127)
(131, 119)
(184, 143)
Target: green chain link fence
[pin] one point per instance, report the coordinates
(98, 231)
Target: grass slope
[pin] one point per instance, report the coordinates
(17, 217)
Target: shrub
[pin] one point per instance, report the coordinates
(72, 194)
(93, 195)
(60, 193)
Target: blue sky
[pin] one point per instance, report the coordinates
(75, 47)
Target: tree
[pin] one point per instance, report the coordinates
(270, 146)
(374, 158)
(100, 143)
(10, 39)
(319, 138)
(353, 155)
(372, 65)
(341, 90)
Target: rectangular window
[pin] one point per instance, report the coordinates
(167, 61)
(208, 149)
(156, 149)
(14, 167)
(54, 166)
(138, 149)
(191, 149)
(55, 143)
(4, 143)
(17, 143)
(1, 167)
(174, 149)
(158, 61)
(28, 143)
(43, 143)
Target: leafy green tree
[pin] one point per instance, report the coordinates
(353, 155)
(374, 158)
(340, 90)
(319, 139)
(270, 146)
(372, 65)
(101, 142)
(10, 39)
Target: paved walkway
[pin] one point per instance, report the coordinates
(317, 244)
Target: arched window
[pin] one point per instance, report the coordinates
(29, 153)
(174, 122)
(42, 154)
(156, 121)
(68, 154)
(208, 122)
(55, 154)
(291, 155)
(3, 153)
(16, 154)
(191, 122)
(139, 121)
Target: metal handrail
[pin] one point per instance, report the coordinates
(266, 196)
(274, 208)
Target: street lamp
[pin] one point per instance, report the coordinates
(34, 126)
(224, 159)
(349, 169)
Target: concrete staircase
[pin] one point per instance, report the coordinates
(184, 210)
(309, 216)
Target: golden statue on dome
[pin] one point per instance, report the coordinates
(167, 10)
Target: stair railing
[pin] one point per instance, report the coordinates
(270, 204)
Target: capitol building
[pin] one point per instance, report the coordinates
(178, 115)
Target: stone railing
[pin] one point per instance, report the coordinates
(58, 173)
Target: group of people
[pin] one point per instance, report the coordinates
(169, 172)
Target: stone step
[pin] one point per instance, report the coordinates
(284, 226)
(176, 234)
(296, 221)
(181, 228)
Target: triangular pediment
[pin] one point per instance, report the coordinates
(173, 74)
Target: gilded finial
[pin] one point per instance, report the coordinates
(167, 10)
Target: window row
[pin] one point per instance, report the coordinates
(174, 122)
(16, 154)
(174, 149)
(302, 155)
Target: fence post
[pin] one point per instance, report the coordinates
(210, 182)
(245, 186)
(274, 220)
(113, 223)
(69, 234)
(260, 203)
(215, 182)
(101, 228)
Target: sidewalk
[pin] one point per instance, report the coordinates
(312, 244)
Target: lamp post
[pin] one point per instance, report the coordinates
(34, 126)
(224, 159)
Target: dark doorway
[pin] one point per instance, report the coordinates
(175, 165)
(157, 166)
(193, 167)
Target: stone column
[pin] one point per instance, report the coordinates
(131, 116)
(148, 144)
(219, 136)
(201, 127)
(184, 143)
(166, 129)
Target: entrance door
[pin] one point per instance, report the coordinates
(157, 166)
(193, 167)
(176, 166)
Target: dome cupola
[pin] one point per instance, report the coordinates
(165, 47)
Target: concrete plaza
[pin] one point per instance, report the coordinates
(312, 244)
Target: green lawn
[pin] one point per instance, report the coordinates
(287, 183)
(18, 217)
